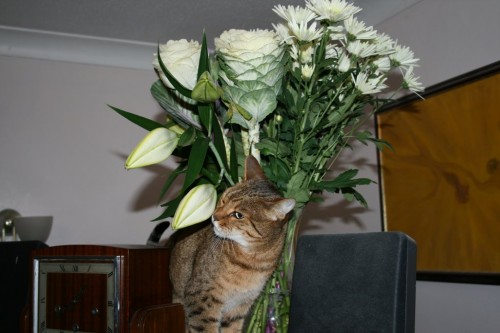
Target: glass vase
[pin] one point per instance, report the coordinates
(271, 310)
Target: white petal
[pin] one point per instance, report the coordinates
(197, 206)
(153, 148)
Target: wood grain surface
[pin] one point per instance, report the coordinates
(441, 183)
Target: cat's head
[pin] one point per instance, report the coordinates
(252, 210)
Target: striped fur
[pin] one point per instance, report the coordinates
(219, 269)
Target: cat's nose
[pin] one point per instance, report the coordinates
(215, 216)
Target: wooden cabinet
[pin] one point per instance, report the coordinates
(95, 288)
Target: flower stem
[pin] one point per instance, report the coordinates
(220, 162)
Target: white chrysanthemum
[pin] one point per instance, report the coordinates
(306, 53)
(302, 54)
(304, 32)
(307, 71)
(403, 57)
(367, 85)
(411, 82)
(333, 51)
(297, 14)
(382, 64)
(283, 32)
(337, 32)
(384, 44)
(332, 10)
(361, 49)
(358, 30)
(344, 63)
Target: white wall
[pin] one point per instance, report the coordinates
(451, 37)
(62, 150)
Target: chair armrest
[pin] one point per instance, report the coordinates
(164, 318)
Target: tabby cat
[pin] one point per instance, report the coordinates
(219, 269)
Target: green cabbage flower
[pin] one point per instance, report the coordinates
(251, 70)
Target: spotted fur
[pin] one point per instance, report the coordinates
(219, 269)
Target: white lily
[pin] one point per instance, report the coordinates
(154, 148)
(197, 206)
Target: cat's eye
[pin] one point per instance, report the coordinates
(237, 215)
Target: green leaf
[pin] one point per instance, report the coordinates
(177, 85)
(187, 138)
(170, 208)
(145, 123)
(170, 180)
(270, 146)
(196, 160)
(204, 64)
(344, 180)
(180, 108)
(321, 50)
(277, 170)
(205, 113)
(363, 136)
(350, 194)
(341, 113)
(219, 143)
(296, 186)
(381, 144)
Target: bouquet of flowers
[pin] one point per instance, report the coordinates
(294, 97)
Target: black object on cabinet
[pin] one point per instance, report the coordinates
(14, 282)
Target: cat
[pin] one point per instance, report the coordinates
(219, 269)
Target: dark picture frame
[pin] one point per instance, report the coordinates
(440, 184)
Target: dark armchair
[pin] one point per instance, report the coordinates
(354, 283)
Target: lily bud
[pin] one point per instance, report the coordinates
(197, 206)
(206, 90)
(173, 126)
(154, 148)
(244, 113)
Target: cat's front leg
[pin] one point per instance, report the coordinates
(204, 323)
(233, 321)
(203, 314)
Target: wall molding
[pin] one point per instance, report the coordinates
(48, 45)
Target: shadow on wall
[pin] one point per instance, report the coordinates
(343, 211)
(148, 195)
(336, 210)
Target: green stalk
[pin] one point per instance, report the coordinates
(220, 162)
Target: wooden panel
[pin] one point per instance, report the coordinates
(143, 274)
(167, 318)
(441, 184)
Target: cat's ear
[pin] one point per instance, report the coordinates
(253, 169)
(283, 207)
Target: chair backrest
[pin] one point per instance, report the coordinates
(354, 283)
